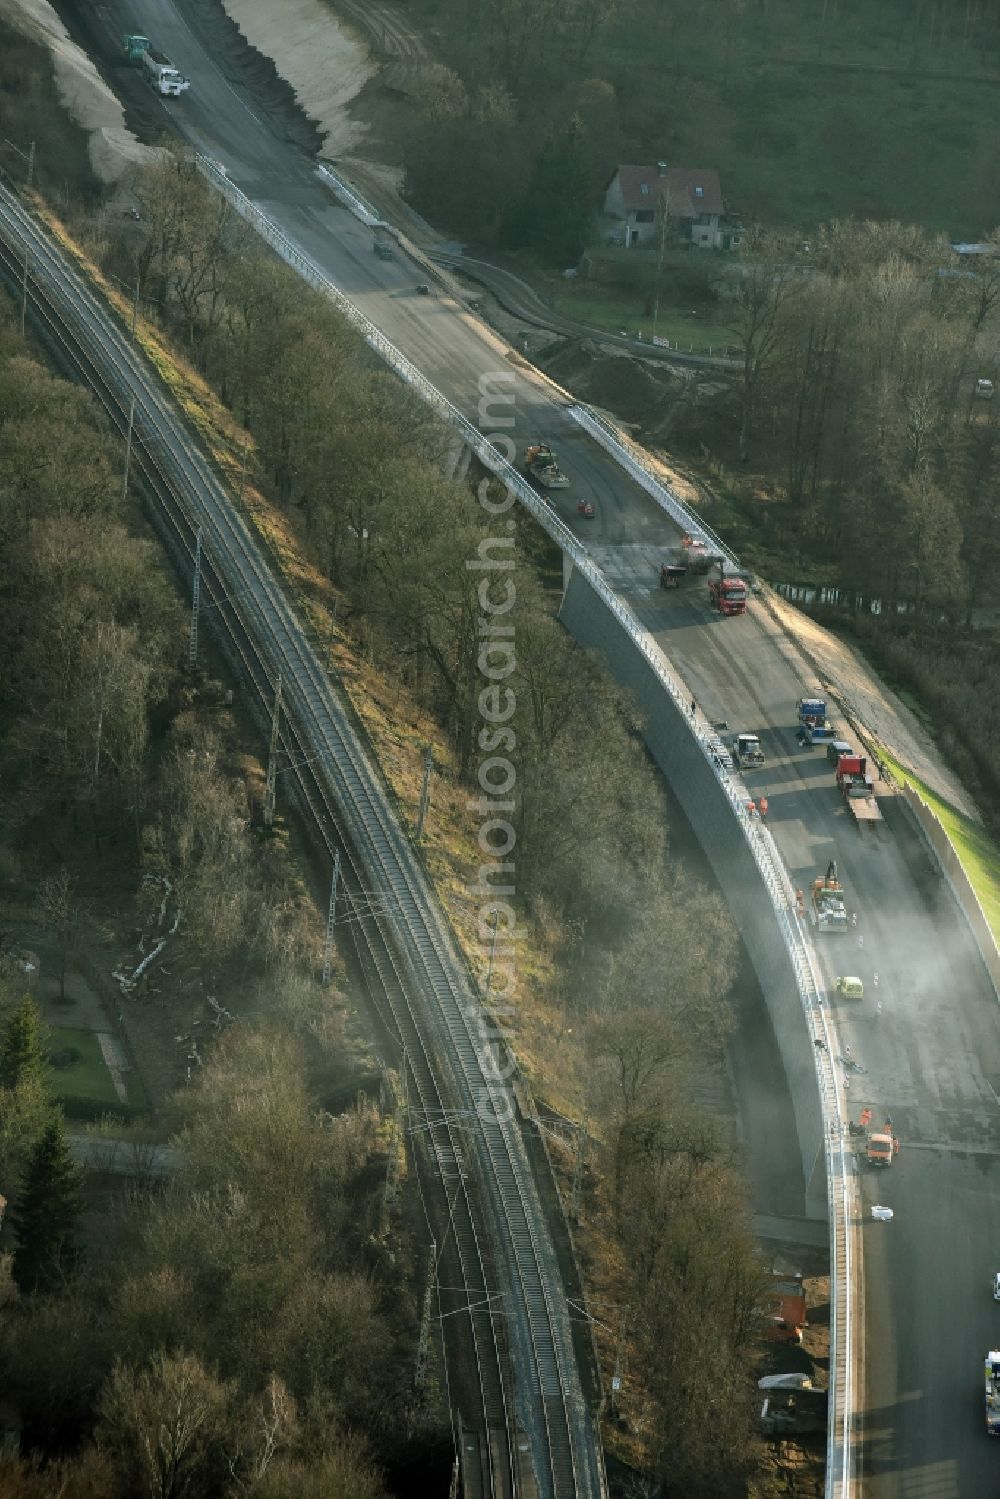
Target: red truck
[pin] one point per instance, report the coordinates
(857, 790)
(785, 1310)
(727, 587)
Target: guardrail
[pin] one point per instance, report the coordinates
(351, 198)
(840, 1433)
(635, 462)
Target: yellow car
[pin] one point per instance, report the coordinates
(851, 988)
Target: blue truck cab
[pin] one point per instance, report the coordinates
(813, 722)
(812, 710)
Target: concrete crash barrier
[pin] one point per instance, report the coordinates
(944, 853)
(757, 888)
(703, 793)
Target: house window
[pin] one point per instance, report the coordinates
(644, 216)
(644, 189)
(699, 192)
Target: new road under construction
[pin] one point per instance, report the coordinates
(900, 1393)
(523, 1424)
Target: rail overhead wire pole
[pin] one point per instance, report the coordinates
(425, 793)
(272, 757)
(331, 920)
(24, 288)
(128, 447)
(195, 605)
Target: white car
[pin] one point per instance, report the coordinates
(996, 1286)
(884, 1215)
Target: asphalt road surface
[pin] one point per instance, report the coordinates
(932, 1057)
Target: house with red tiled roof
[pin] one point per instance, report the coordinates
(685, 202)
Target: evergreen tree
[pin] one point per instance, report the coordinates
(22, 1053)
(45, 1214)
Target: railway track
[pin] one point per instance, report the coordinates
(516, 1343)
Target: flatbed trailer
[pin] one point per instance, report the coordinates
(992, 1371)
(857, 790)
(540, 463)
(829, 908)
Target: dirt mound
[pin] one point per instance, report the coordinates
(644, 393)
(324, 65)
(84, 94)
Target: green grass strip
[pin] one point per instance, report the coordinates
(86, 1077)
(978, 853)
(610, 310)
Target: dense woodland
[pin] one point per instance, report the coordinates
(811, 109)
(131, 1352)
(873, 466)
(198, 1340)
(236, 1298)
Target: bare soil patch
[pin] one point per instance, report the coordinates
(325, 63)
(114, 150)
(643, 393)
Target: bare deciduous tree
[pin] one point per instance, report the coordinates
(168, 1426)
(65, 916)
(769, 281)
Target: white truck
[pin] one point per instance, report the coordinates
(161, 73)
(747, 751)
